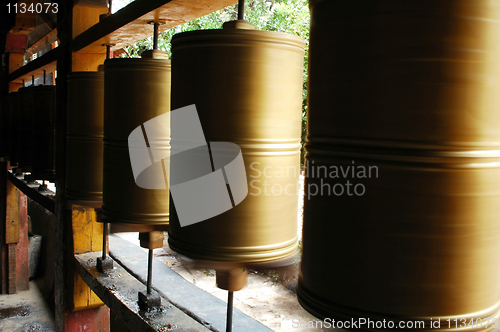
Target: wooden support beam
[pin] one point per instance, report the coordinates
(77, 229)
(63, 232)
(16, 240)
(87, 231)
(3, 218)
(11, 270)
(130, 24)
(31, 190)
(16, 61)
(11, 236)
(87, 61)
(25, 23)
(96, 319)
(85, 17)
(87, 237)
(47, 62)
(15, 43)
(12, 219)
(22, 247)
(119, 289)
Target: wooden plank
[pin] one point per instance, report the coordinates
(31, 190)
(84, 298)
(87, 237)
(12, 216)
(3, 215)
(16, 238)
(11, 270)
(15, 43)
(97, 230)
(119, 291)
(13, 87)
(15, 62)
(87, 61)
(130, 24)
(85, 16)
(22, 246)
(64, 272)
(123, 28)
(5, 268)
(88, 320)
(82, 229)
(87, 232)
(42, 43)
(25, 23)
(36, 67)
(199, 304)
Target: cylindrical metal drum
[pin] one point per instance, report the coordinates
(24, 121)
(401, 210)
(4, 127)
(43, 148)
(85, 132)
(13, 104)
(136, 90)
(247, 87)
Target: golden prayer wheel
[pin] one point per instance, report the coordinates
(137, 90)
(43, 148)
(85, 131)
(5, 127)
(24, 120)
(13, 105)
(247, 88)
(401, 217)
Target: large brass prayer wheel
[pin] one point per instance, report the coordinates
(24, 122)
(12, 142)
(401, 209)
(136, 90)
(247, 88)
(43, 148)
(85, 132)
(4, 127)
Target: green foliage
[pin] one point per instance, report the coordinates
(289, 16)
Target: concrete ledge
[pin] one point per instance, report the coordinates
(202, 306)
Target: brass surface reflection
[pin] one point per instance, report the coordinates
(247, 87)
(85, 131)
(410, 89)
(136, 90)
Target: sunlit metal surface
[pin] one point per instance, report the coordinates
(411, 89)
(247, 87)
(85, 131)
(136, 90)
